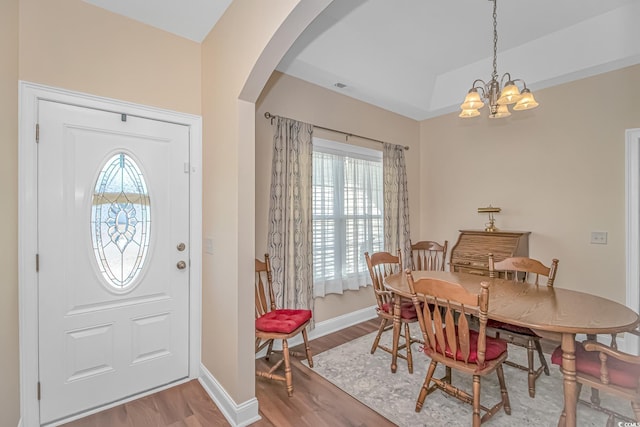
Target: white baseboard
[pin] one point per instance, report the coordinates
(237, 415)
(248, 412)
(329, 326)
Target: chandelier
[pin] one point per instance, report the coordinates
(498, 99)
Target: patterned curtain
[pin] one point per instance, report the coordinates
(396, 203)
(290, 216)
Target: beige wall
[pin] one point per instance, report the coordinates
(74, 45)
(290, 97)
(557, 171)
(575, 156)
(9, 379)
(229, 196)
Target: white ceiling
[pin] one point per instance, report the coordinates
(419, 57)
(191, 19)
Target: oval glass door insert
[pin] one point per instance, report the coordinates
(120, 221)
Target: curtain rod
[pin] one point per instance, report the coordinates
(270, 116)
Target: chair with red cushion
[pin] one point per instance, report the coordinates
(277, 324)
(606, 369)
(448, 339)
(522, 269)
(380, 265)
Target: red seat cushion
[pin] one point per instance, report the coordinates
(621, 373)
(407, 310)
(283, 321)
(511, 328)
(495, 348)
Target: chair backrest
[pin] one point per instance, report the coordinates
(265, 300)
(523, 269)
(382, 264)
(456, 304)
(428, 255)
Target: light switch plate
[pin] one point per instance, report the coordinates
(599, 237)
(208, 245)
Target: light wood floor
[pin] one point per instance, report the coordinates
(315, 401)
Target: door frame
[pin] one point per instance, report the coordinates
(631, 343)
(29, 95)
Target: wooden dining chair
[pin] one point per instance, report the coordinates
(428, 255)
(522, 269)
(449, 339)
(605, 368)
(382, 264)
(277, 324)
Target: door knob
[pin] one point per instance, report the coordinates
(181, 265)
(181, 247)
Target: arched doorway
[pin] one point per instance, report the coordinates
(261, 35)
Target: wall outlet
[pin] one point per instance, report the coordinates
(599, 237)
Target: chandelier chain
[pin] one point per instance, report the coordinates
(498, 98)
(495, 41)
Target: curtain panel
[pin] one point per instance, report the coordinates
(289, 240)
(396, 203)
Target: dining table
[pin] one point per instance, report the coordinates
(552, 312)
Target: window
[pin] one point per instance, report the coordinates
(348, 215)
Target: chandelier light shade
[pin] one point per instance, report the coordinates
(470, 113)
(510, 94)
(498, 94)
(472, 101)
(526, 102)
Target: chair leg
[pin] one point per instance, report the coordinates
(611, 421)
(562, 422)
(506, 403)
(287, 368)
(543, 360)
(407, 339)
(307, 348)
(532, 372)
(476, 401)
(383, 324)
(636, 410)
(425, 387)
(269, 350)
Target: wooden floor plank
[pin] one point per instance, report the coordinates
(315, 401)
(172, 405)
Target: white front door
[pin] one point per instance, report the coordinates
(113, 251)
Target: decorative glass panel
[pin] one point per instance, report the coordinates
(120, 221)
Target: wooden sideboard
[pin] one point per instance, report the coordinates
(470, 254)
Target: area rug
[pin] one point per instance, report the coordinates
(368, 378)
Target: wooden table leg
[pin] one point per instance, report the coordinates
(396, 333)
(568, 417)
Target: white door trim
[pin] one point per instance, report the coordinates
(30, 94)
(632, 188)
